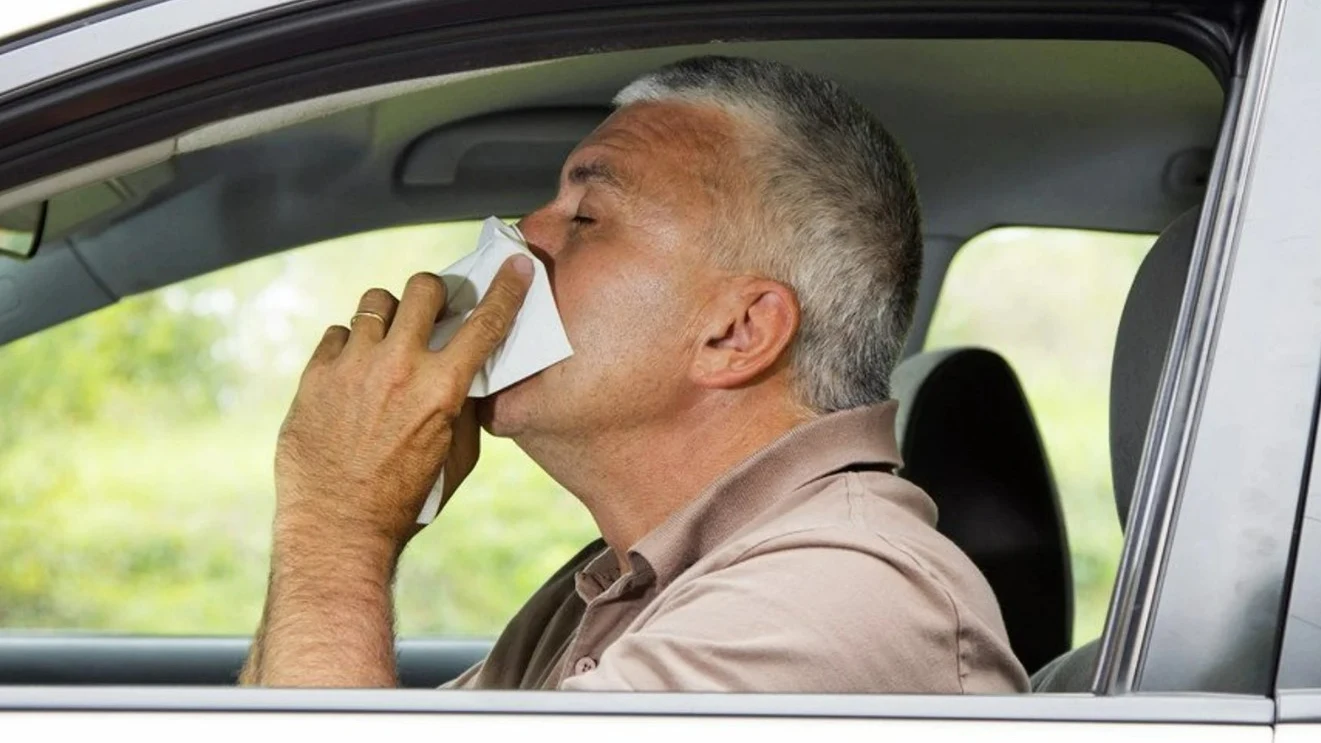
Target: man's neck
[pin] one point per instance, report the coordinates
(633, 480)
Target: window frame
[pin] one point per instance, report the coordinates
(144, 86)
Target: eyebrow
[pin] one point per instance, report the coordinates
(595, 172)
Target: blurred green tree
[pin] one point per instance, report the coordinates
(140, 355)
(140, 348)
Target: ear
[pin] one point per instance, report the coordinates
(749, 329)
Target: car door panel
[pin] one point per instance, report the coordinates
(646, 717)
(145, 726)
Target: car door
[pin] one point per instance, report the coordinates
(1288, 223)
(160, 69)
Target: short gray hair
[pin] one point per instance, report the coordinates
(841, 203)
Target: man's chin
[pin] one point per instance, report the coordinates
(487, 416)
(499, 414)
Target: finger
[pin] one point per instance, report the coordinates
(376, 310)
(486, 328)
(421, 306)
(332, 343)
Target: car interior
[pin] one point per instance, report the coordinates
(1090, 134)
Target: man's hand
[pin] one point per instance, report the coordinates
(376, 417)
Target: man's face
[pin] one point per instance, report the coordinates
(626, 243)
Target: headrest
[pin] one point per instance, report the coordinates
(953, 377)
(1140, 346)
(968, 438)
(907, 380)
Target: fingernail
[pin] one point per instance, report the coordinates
(523, 265)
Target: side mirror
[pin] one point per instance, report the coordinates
(20, 230)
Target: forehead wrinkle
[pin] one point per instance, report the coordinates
(697, 139)
(714, 148)
(675, 129)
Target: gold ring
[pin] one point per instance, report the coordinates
(366, 313)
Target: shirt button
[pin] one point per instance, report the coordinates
(583, 665)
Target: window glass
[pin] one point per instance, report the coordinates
(1049, 301)
(137, 444)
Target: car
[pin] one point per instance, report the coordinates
(146, 146)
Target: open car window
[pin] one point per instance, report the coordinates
(136, 458)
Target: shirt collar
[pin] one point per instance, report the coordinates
(851, 439)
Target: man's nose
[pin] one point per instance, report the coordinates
(538, 241)
(534, 228)
(522, 227)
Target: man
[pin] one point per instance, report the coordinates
(735, 253)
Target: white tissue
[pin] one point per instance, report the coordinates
(535, 341)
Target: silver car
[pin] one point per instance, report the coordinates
(146, 145)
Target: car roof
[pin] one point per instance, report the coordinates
(53, 17)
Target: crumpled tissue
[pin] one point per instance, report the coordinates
(536, 340)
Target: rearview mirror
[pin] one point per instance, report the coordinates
(20, 230)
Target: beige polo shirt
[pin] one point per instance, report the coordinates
(810, 567)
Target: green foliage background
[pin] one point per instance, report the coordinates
(136, 444)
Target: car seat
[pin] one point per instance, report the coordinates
(968, 438)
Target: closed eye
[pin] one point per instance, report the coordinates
(580, 219)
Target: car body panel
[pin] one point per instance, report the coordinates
(1216, 622)
(72, 49)
(1301, 733)
(160, 726)
(1300, 653)
(1174, 708)
(20, 19)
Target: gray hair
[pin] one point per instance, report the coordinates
(838, 198)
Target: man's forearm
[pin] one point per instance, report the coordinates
(377, 417)
(329, 619)
(251, 673)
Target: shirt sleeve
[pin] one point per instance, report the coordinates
(806, 619)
